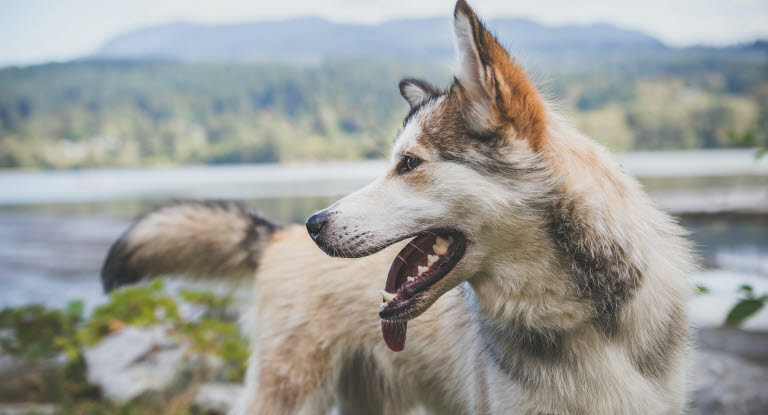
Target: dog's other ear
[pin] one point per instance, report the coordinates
(496, 93)
(416, 91)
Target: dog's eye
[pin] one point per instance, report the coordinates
(409, 163)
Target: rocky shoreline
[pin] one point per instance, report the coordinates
(730, 372)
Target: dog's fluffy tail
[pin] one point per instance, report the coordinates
(209, 239)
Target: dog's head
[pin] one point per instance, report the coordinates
(464, 169)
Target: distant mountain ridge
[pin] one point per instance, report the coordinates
(311, 39)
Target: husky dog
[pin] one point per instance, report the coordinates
(530, 273)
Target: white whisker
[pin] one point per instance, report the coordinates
(411, 243)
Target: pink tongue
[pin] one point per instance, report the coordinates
(394, 334)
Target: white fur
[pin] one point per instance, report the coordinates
(414, 94)
(410, 133)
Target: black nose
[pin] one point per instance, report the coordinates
(315, 224)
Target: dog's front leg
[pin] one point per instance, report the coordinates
(283, 399)
(278, 384)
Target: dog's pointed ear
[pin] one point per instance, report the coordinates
(496, 93)
(416, 91)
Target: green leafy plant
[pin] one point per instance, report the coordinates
(216, 306)
(142, 305)
(748, 306)
(216, 332)
(702, 289)
(34, 332)
(222, 339)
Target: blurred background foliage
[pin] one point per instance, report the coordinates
(144, 113)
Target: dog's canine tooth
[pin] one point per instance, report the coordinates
(431, 259)
(422, 270)
(388, 297)
(411, 279)
(442, 241)
(450, 240)
(440, 249)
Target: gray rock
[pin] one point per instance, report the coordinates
(134, 360)
(217, 397)
(725, 384)
(748, 344)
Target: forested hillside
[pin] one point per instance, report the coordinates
(134, 113)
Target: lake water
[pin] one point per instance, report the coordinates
(56, 227)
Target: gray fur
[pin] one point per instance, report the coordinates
(656, 359)
(521, 351)
(602, 269)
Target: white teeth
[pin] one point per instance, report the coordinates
(422, 270)
(388, 297)
(431, 259)
(440, 249)
(411, 279)
(441, 245)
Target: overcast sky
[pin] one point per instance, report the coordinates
(33, 31)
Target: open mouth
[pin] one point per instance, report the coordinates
(420, 264)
